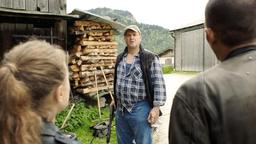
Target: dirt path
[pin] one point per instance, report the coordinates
(173, 81)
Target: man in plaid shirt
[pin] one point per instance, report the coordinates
(139, 90)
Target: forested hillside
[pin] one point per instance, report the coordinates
(154, 38)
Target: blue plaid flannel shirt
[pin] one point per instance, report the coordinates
(130, 87)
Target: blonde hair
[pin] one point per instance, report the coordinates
(28, 74)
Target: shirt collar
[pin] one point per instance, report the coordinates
(137, 55)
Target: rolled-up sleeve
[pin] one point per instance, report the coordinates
(158, 83)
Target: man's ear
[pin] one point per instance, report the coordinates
(210, 36)
(58, 94)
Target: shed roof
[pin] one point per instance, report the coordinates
(165, 51)
(97, 18)
(189, 25)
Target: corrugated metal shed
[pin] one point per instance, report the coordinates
(192, 51)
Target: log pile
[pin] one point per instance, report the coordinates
(94, 49)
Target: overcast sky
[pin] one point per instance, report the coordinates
(170, 14)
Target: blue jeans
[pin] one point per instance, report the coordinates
(133, 126)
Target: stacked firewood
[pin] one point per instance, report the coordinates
(92, 58)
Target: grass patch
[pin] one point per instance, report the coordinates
(81, 119)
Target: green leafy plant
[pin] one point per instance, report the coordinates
(167, 69)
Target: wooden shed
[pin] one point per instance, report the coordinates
(21, 20)
(24, 19)
(166, 57)
(191, 49)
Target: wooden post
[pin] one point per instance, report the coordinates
(64, 123)
(98, 98)
(112, 98)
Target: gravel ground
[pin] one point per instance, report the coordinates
(173, 82)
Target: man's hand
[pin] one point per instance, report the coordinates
(153, 115)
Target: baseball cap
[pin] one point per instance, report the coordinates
(133, 28)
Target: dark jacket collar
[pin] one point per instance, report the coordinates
(141, 50)
(240, 51)
(49, 129)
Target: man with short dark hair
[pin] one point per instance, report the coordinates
(139, 90)
(218, 106)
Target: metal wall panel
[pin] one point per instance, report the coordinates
(177, 52)
(192, 52)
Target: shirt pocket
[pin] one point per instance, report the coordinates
(137, 73)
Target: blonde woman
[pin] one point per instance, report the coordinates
(34, 87)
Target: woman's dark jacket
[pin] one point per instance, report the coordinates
(51, 135)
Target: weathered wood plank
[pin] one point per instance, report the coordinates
(92, 25)
(97, 72)
(63, 7)
(42, 5)
(100, 46)
(99, 82)
(97, 58)
(6, 3)
(98, 38)
(87, 50)
(19, 4)
(54, 6)
(74, 68)
(108, 65)
(97, 43)
(57, 6)
(20, 28)
(31, 5)
(101, 54)
(8, 30)
(88, 90)
(76, 31)
(61, 31)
